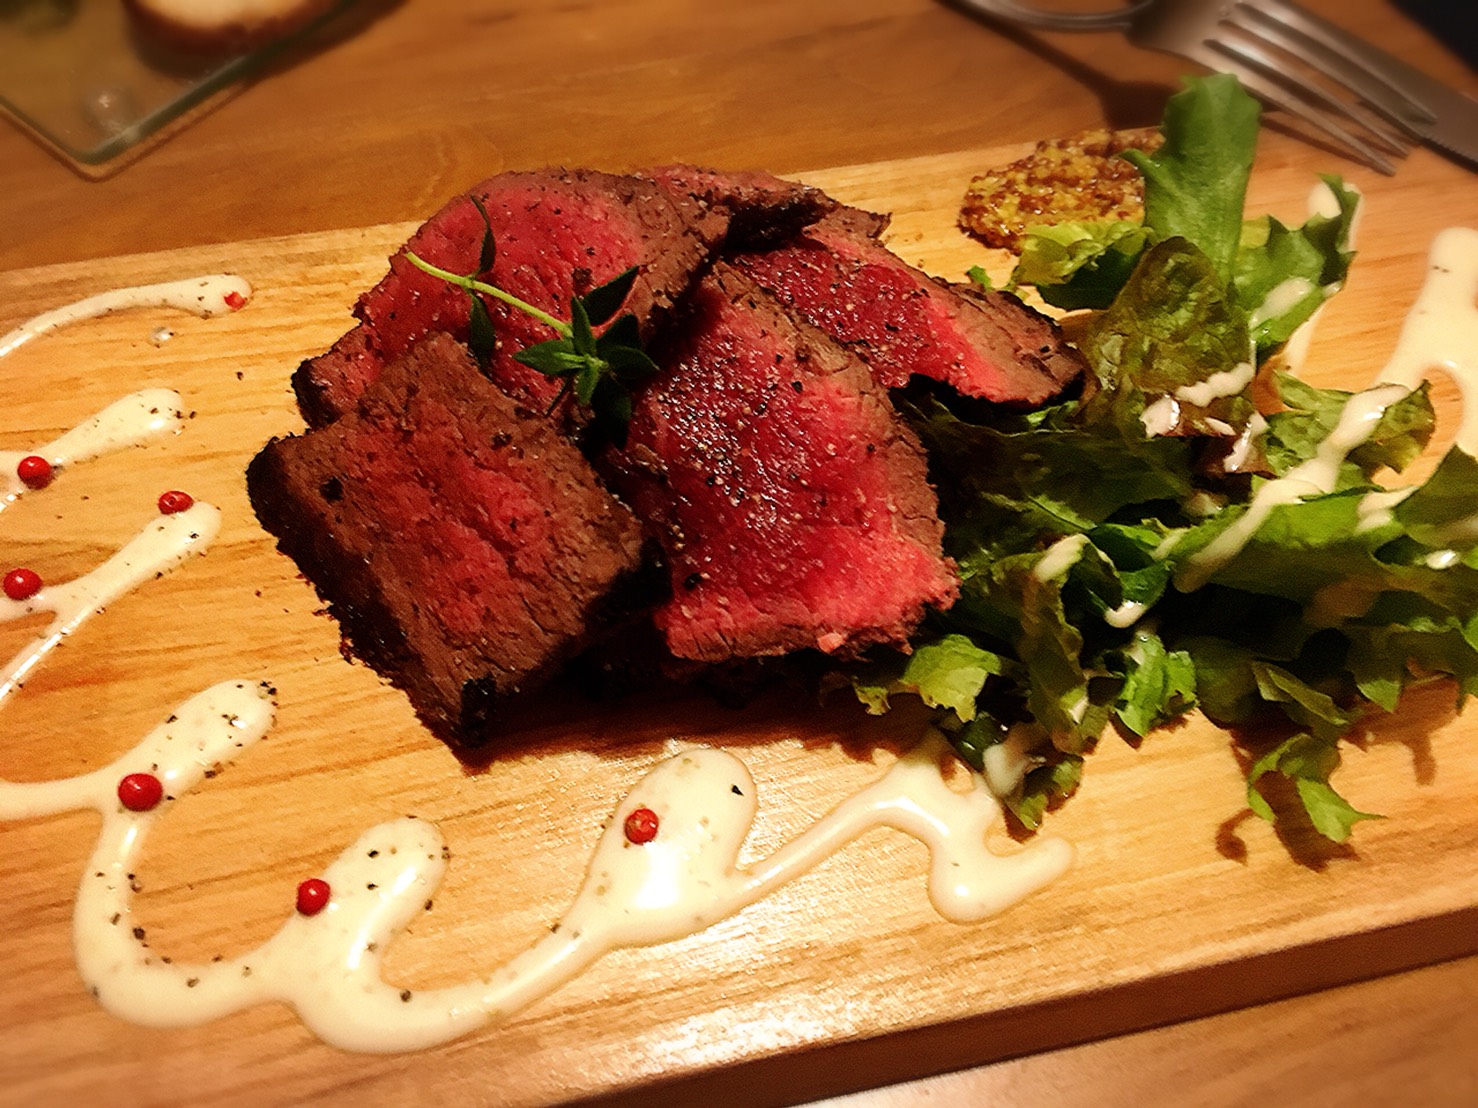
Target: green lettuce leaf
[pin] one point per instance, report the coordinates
(1195, 185)
(1310, 414)
(1194, 189)
(1174, 334)
(1086, 599)
(948, 672)
(1159, 684)
(1079, 265)
(1045, 787)
(1282, 275)
(1308, 762)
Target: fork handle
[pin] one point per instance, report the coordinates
(1027, 14)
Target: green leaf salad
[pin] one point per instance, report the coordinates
(1171, 539)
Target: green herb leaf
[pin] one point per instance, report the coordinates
(482, 339)
(488, 253)
(555, 358)
(587, 377)
(598, 369)
(604, 301)
(582, 337)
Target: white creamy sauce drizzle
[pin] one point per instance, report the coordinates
(1007, 762)
(1441, 331)
(328, 966)
(206, 296)
(1322, 201)
(1358, 419)
(1378, 508)
(1126, 614)
(1241, 451)
(1058, 558)
(1281, 298)
(161, 546)
(127, 422)
(1161, 416)
(1228, 382)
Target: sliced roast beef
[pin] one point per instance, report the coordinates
(792, 503)
(462, 542)
(991, 346)
(558, 234)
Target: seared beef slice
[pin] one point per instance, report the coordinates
(461, 541)
(762, 209)
(792, 503)
(902, 322)
(558, 234)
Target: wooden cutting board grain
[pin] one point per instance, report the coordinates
(1181, 901)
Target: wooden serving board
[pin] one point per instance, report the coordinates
(1181, 902)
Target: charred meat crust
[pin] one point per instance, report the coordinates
(762, 209)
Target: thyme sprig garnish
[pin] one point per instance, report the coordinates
(599, 369)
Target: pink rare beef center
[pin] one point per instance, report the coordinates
(902, 322)
(793, 502)
(441, 502)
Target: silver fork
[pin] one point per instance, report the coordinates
(1289, 57)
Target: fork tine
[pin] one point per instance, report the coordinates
(1343, 70)
(1272, 92)
(1380, 130)
(1341, 44)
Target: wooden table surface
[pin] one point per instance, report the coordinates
(422, 99)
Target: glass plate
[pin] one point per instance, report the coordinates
(77, 75)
